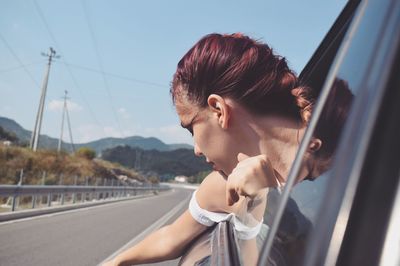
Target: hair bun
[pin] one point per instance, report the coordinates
(305, 101)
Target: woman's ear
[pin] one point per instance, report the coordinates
(220, 109)
(314, 145)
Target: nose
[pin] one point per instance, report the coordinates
(197, 150)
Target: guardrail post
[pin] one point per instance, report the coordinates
(62, 194)
(33, 201)
(43, 183)
(96, 194)
(15, 197)
(74, 194)
(112, 190)
(14, 203)
(119, 191)
(104, 193)
(86, 184)
(49, 199)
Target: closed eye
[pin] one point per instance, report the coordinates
(189, 127)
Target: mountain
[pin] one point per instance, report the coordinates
(176, 162)
(98, 145)
(150, 143)
(11, 126)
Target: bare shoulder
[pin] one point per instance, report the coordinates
(211, 193)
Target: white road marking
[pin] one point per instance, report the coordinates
(148, 230)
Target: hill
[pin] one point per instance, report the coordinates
(135, 141)
(176, 162)
(56, 166)
(99, 145)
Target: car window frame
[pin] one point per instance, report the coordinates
(342, 22)
(358, 133)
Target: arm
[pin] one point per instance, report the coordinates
(164, 244)
(170, 241)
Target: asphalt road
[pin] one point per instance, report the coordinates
(87, 236)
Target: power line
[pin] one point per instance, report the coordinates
(39, 11)
(119, 76)
(19, 60)
(101, 66)
(19, 67)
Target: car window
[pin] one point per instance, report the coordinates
(294, 213)
(314, 75)
(300, 213)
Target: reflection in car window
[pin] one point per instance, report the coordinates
(361, 56)
(300, 212)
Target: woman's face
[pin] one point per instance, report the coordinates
(210, 139)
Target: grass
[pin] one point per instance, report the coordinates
(57, 167)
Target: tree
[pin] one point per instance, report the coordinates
(7, 135)
(86, 152)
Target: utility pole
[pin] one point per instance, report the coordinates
(39, 116)
(65, 111)
(69, 128)
(62, 122)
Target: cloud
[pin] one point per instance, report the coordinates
(124, 113)
(58, 105)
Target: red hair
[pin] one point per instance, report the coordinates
(245, 70)
(333, 117)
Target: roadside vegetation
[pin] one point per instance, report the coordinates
(52, 168)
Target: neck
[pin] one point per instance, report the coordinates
(276, 137)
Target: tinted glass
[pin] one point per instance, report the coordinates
(313, 180)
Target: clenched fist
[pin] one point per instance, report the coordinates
(250, 175)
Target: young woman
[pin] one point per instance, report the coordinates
(247, 113)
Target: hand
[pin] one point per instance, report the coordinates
(250, 175)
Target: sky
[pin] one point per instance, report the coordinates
(117, 57)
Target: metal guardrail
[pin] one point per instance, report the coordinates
(86, 192)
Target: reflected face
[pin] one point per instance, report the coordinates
(210, 140)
